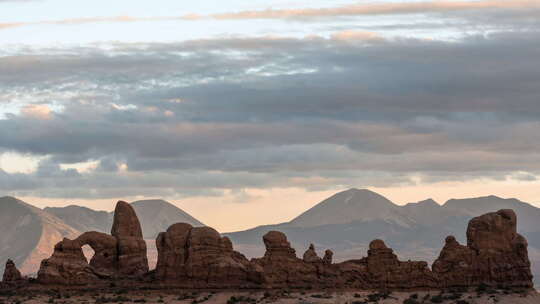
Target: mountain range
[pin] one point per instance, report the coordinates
(345, 222)
(29, 233)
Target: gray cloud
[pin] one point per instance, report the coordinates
(205, 116)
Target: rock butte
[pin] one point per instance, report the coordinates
(199, 257)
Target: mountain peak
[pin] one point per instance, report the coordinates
(345, 207)
(425, 203)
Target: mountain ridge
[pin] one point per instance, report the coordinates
(30, 233)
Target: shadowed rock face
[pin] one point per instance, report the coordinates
(122, 254)
(199, 257)
(11, 273)
(67, 266)
(310, 256)
(132, 258)
(495, 254)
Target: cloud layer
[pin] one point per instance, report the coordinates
(206, 116)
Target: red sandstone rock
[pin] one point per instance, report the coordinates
(495, 254)
(386, 271)
(11, 273)
(310, 256)
(201, 258)
(281, 267)
(132, 258)
(105, 259)
(67, 266)
(172, 251)
(328, 255)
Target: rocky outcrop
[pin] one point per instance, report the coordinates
(11, 273)
(120, 255)
(310, 256)
(105, 259)
(328, 256)
(199, 257)
(280, 265)
(495, 254)
(387, 271)
(132, 259)
(67, 266)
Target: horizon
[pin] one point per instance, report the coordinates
(244, 227)
(242, 106)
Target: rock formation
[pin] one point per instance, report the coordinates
(132, 258)
(310, 256)
(280, 265)
(11, 273)
(120, 255)
(328, 256)
(495, 254)
(66, 266)
(199, 257)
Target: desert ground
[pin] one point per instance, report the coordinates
(278, 297)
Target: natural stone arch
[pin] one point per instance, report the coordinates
(105, 259)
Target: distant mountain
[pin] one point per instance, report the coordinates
(528, 215)
(155, 216)
(350, 206)
(347, 221)
(82, 218)
(28, 234)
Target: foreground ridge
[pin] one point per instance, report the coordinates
(199, 257)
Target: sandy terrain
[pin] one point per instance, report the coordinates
(225, 297)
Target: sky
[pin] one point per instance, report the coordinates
(245, 113)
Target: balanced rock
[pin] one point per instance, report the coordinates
(11, 273)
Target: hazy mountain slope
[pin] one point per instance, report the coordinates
(528, 215)
(28, 234)
(82, 218)
(348, 206)
(157, 215)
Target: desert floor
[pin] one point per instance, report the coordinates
(282, 297)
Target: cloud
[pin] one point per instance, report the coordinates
(515, 10)
(312, 113)
(396, 8)
(39, 111)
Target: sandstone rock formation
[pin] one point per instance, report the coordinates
(11, 273)
(280, 265)
(120, 255)
(495, 254)
(67, 266)
(328, 256)
(310, 256)
(132, 259)
(199, 257)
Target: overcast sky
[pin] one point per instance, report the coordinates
(247, 112)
